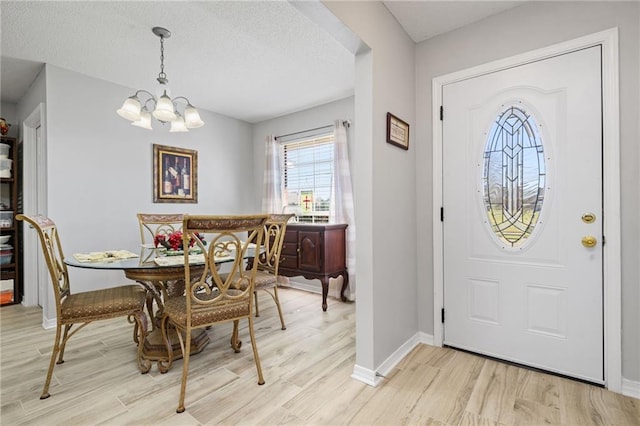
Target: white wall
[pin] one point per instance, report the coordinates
(100, 168)
(386, 310)
(34, 96)
(531, 26)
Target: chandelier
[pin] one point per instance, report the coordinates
(162, 107)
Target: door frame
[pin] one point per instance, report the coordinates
(36, 275)
(608, 39)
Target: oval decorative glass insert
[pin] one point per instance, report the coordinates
(513, 176)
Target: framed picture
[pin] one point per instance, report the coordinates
(175, 175)
(397, 132)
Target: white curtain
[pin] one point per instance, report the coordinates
(341, 209)
(272, 191)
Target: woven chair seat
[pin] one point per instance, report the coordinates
(262, 280)
(265, 280)
(102, 304)
(176, 307)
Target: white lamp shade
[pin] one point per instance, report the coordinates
(192, 118)
(130, 109)
(145, 120)
(164, 109)
(177, 125)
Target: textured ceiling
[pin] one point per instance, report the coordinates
(251, 60)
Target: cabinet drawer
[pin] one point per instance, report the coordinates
(291, 237)
(289, 248)
(290, 244)
(289, 261)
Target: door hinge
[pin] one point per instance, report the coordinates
(442, 315)
(441, 112)
(441, 214)
(603, 240)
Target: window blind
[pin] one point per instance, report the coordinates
(307, 177)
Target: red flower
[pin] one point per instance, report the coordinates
(174, 240)
(159, 239)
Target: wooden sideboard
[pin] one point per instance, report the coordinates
(315, 251)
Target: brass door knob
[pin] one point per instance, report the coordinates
(589, 241)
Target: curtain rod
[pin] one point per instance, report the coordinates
(346, 124)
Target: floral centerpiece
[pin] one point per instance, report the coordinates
(173, 241)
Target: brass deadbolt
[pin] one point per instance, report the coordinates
(589, 241)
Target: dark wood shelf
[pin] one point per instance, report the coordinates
(12, 194)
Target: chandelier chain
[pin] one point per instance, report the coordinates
(162, 75)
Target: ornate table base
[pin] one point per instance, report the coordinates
(163, 283)
(154, 348)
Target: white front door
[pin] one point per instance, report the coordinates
(522, 231)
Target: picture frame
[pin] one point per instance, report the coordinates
(397, 132)
(175, 175)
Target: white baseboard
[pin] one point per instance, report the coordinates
(373, 378)
(631, 388)
(366, 376)
(425, 338)
(48, 323)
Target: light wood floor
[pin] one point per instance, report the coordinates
(307, 370)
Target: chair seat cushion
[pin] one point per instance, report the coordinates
(104, 303)
(176, 308)
(262, 280)
(265, 280)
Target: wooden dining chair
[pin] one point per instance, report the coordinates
(83, 308)
(213, 298)
(269, 260)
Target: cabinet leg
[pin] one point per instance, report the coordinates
(345, 284)
(325, 291)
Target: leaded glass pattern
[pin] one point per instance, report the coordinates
(514, 176)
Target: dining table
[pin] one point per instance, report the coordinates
(163, 277)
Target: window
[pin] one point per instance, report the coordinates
(307, 174)
(514, 176)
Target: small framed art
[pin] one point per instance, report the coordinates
(397, 132)
(175, 175)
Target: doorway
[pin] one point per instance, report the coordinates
(482, 296)
(522, 184)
